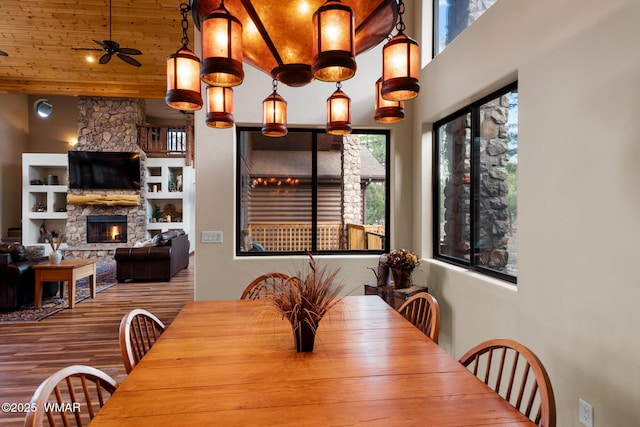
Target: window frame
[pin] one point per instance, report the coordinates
(474, 175)
(314, 199)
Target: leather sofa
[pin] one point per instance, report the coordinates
(167, 255)
(17, 278)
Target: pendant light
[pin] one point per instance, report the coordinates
(219, 107)
(338, 112)
(387, 111)
(221, 48)
(183, 73)
(334, 42)
(274, 114)
(400, 65)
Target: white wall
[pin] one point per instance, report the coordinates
(54, 133)
(14, 137)
(575, 305)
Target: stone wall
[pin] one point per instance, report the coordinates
(493, 227)
(107, 124)
(463, 13)
(351, 189)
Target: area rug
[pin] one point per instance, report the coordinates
(106, 277)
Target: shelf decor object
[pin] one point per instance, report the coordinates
(401, 262)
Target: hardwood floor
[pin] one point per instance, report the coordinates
(86, 334)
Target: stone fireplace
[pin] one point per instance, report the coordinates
(107, 124)
(106, 229)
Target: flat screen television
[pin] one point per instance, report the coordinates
(104, 170)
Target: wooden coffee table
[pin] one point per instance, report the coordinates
(69, 270)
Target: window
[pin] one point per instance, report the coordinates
(475, 209)
(452, 17)
(311, 191)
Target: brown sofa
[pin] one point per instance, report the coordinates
(17, 278)
(167, 255)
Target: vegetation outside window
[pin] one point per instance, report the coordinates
(476, 185)
(311, 191)
(452, 17)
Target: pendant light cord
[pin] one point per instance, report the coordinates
(184, 9)
(400, 26)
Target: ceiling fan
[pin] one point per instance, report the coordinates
(111, 48)
(2, 53)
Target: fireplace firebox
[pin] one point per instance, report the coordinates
(106, 229)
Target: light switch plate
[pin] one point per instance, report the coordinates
(212, 237)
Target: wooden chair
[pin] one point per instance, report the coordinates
(139, 330)
(73, 395)
(258, 288)
(515, 373)
(423, 311)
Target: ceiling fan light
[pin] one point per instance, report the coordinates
(334, 42)
(183, 81)
(338, 113)
(219, 107)
(387, 112)
(274, 115)
(400, 69)
(221, 49)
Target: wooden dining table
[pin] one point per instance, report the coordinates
(234, 363)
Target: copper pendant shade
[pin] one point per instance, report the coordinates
(400, 64)
(183, 73)
(334, 42)
(387, 112)
(274, 114)
(338, 113)
(219, 107)
(278, 36)
(183, 81)
(400, 69)
(221, 48)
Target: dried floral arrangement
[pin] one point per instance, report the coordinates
(402, 259)
(306, 298)
(55, 239)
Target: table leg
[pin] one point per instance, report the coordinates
(92, 282)
(37, 300)
(71, 290)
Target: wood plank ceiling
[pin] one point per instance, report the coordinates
(39, 36)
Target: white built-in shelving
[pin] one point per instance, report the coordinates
(44, 195)
(170, 195)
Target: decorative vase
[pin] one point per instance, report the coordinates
(383, 271)
(55, 257)
(401, 277)
(304, 336)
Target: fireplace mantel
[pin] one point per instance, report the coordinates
(104, 199)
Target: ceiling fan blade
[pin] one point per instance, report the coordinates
(87, 48)
(129, 60)
(105, 58)
(130, 51)
(2, 53)
(99, 43)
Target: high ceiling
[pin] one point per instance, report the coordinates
(39, 36)
(42, 37)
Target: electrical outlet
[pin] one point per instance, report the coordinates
(585, 413)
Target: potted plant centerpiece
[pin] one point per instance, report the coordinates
(401, 262)
(304, 300)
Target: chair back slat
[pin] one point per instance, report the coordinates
(70, 390)
(528, 387)
(423, 311)
(139, 330)
(263, 284)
